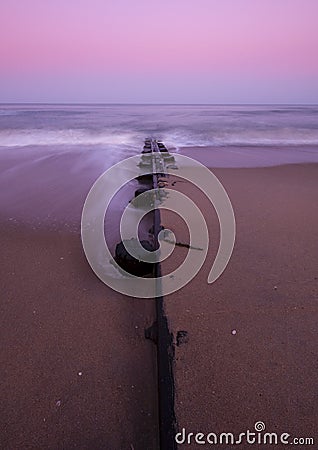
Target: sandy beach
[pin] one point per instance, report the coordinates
(78, 371)
(251, 353)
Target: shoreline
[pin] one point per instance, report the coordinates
(59, 207)
(252, 156)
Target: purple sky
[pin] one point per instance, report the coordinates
(167, 51)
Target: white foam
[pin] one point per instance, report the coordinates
(247, 138)
(43, 137)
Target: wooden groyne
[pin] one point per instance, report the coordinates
(153, 161)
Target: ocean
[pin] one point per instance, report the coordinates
(125, 126)
(50, 155)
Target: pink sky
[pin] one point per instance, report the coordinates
(201, 51)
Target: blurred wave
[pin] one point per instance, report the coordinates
(50, 155)
(126, 126)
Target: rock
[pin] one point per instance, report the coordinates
(131, 264)
(182, 338)
(146, 179)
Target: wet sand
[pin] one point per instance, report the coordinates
(251, 353)
(252, 156)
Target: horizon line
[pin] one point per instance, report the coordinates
(157, 104)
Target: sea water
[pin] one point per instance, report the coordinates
(50, 155)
